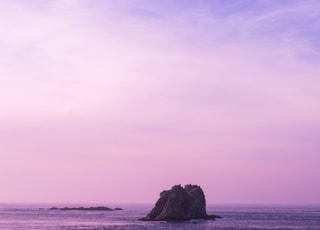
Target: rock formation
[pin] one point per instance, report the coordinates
(179, 204)
(99, 208)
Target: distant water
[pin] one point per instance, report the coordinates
(234, 217)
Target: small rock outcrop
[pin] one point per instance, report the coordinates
(99, 208)
(180, 204)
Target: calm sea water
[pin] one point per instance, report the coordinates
(234, 217)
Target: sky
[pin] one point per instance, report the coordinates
(113, 101)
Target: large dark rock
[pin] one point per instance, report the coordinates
(179, 204)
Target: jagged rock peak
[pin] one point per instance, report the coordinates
(178, 204)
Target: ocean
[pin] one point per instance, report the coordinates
(37, 216)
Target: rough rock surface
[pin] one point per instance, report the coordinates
(179, 204)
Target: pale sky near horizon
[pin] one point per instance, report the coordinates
(107, 101)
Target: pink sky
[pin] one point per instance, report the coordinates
(114, 101)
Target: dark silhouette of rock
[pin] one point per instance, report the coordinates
(99, 208)
(179, 204)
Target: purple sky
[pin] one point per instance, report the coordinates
(116, 100)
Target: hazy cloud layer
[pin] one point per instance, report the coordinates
(113, 95)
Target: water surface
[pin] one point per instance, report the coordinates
(37, 216)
